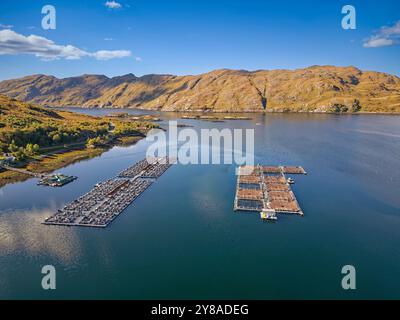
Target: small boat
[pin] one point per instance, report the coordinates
(290, 181)
(268, 215)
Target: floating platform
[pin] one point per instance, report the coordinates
(108, 199)
(266, 189)
(56, 180)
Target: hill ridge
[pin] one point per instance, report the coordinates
(311, 89)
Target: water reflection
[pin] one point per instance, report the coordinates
(22, 231)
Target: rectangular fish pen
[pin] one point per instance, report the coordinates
(267, 189)
(108, 199)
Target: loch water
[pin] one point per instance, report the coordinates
(181, 238)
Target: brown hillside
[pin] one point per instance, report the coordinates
(314, 89)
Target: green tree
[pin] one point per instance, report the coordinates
(12, 147)
(31, 149)
(93, 142)
(56, 138)
(19, 154)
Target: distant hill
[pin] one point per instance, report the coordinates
(313, 89)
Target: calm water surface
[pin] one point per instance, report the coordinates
(181, 238)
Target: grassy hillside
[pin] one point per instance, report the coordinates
(25, 125)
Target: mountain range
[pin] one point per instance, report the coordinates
(312, 89)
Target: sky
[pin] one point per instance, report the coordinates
(191, 37)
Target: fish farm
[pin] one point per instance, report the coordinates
(108, 199)
(267, 190)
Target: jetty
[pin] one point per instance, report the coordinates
(22, 171)
(267, 190)
(108, 199)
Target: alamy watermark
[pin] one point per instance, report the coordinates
(349, 21)
(203, 146)
(49, 20)
(49, 280)
(349, 280)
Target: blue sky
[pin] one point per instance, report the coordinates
(190, 37)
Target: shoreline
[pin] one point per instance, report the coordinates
(208, 112)
(63, 158)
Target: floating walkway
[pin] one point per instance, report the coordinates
(108, 199)
(266, 189)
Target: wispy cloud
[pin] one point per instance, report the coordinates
(109, 39)
(138, 59)
(107, 55)
(113, 5)
(6, 26)
(377, 41)
(12, 43)
(386, 36)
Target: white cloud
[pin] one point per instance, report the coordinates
(113, 5)
(13, 43)
(391, 31)
(386, 36)
(107, 55)
(376, 42)
(138, 59)
(109, 39)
